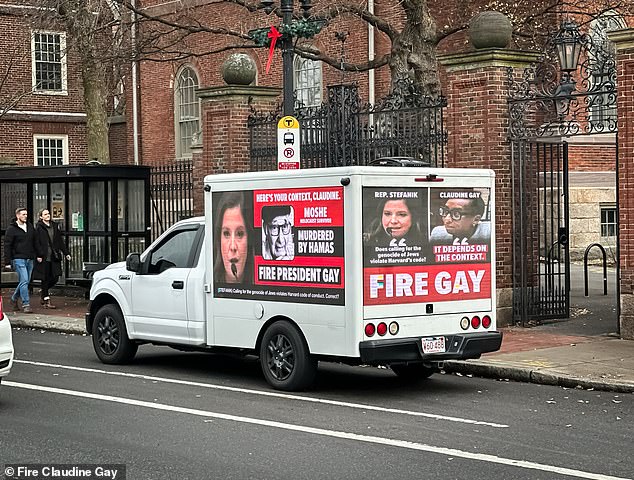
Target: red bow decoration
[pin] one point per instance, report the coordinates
(273, 34)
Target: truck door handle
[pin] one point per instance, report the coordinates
(178, 284)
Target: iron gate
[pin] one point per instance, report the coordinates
(171, 195)
(547, 105)
(541, 257)
(346, 131)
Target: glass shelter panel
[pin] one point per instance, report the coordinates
(97, 207)
(75, 227)
(131, 206)
(57, 205)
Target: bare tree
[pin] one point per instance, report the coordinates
(11, 93)
(100, 32)
(409, 25)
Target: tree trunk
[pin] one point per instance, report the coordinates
(96, 104)
(414, 50)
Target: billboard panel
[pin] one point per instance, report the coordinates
(280, 245)
(426, 244)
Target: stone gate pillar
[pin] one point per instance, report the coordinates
(624, 41)
(477, 124)
(225, 134)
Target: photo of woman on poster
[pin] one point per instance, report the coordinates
(233, 240)
(398, 222)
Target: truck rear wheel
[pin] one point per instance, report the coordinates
(285, 359)
(412, 371)
(110, 337)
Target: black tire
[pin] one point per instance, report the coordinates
(110, 337)
(412, 371)
(286, 362)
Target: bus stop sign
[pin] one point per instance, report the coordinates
(288, 149)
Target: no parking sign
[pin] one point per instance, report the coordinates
(288, 149)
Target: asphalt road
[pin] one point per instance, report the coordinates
(198, 416)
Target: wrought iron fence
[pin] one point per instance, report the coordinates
(345, 131)
(171, 194)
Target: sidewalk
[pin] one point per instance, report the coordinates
(538, 355)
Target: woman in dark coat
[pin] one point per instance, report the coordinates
(51, 241)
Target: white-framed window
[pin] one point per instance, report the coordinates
(48, 63)
(602, 53)
(609, 221)
(187, 110)
(50, 150)
(308, 82)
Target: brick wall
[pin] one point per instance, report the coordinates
(624, 40)
(592, 158)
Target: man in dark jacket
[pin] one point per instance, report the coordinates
(20, 249)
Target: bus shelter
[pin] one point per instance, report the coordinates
(102, 210)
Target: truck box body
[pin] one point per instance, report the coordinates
(341, 274)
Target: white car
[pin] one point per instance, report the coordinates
(6, 344)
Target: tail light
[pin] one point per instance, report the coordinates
(369, 329)
(486, 321)
(475, 322)
(381, 328)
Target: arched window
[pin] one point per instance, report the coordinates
(187, 111)
(308, 82)
(603, 68)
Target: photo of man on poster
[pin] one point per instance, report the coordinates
(462, 215)
(277, 233)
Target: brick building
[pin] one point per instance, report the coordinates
(42, 118)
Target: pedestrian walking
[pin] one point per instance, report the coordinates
(21, 248)
(53, 248)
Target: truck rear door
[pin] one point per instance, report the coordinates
(428, 250)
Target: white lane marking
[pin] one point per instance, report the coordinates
(269, 394)
(323, 432)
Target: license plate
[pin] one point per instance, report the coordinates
(434, 345)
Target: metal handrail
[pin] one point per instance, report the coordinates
(585, 268)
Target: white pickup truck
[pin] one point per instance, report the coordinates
(362, 265)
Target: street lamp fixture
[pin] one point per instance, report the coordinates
(568, 42)
(287, 7)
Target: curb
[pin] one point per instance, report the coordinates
(528, 375)
(70, 326)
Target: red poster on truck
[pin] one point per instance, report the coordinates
(423, 245)
(280, 245)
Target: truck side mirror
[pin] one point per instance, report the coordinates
(133, 262)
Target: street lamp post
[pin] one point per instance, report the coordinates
(287, 7)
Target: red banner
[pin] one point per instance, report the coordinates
(426, 283)
(313, 207)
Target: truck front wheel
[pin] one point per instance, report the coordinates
(285, 359)
(110, 337)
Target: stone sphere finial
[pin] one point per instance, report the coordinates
(238, 69)
(490, 29)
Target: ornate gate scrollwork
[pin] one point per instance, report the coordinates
(549, 101)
